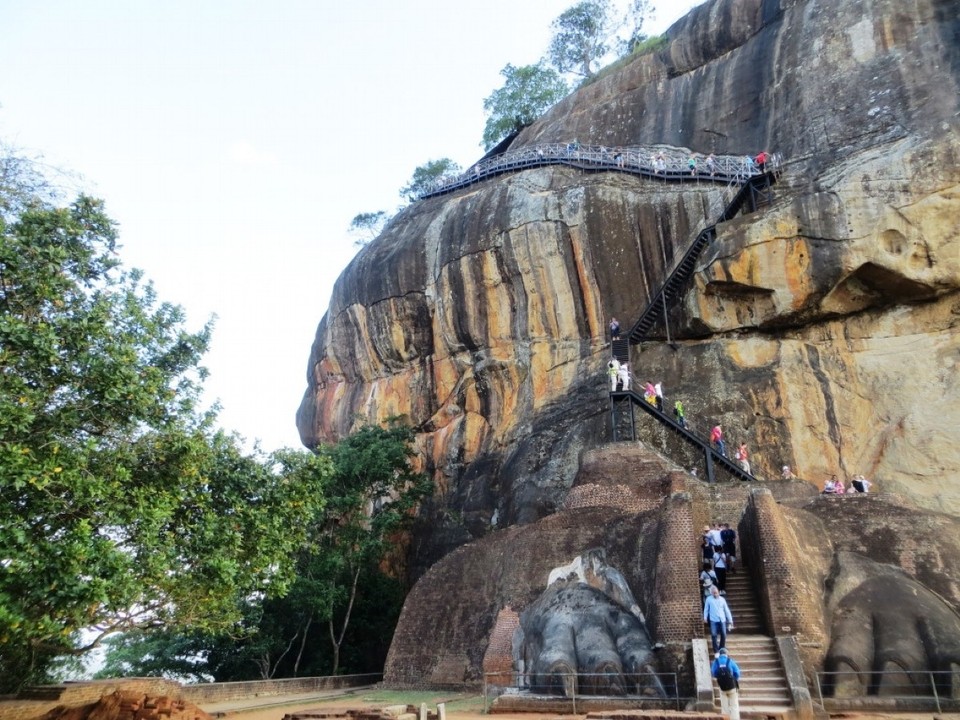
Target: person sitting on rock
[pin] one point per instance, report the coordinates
(830, 486)
(838, 487)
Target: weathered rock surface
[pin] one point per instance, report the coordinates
(822, 330)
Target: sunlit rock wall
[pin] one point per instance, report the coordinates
(822, 330)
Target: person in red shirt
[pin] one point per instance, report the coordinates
(716, 438)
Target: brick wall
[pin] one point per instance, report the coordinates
(218, 692)
(614, 496)
(786, 575)
(676, 615)
(499, 655)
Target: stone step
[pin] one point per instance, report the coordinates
(764, 701)
(757, 685)
(760, 697)
(735, 643)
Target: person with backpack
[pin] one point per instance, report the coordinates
(727, 673)
(717, 613)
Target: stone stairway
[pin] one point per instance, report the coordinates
(763, 684)
(747, 618)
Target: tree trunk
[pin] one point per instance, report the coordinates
(303, 643)
(338, 641)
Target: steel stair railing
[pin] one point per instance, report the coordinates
(752, 194)
(622, 404)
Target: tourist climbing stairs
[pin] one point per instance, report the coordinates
(763, 685)
(623, 418)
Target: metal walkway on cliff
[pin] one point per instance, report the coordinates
(656, 162)
(755, 192)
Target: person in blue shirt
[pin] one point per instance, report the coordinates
(730, 698)
(717, 613)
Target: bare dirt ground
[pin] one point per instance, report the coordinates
(471, 707)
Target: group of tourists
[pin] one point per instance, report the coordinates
(719, 551)
(619, 374)
(835, 486)
(720, 541)
(621, 379)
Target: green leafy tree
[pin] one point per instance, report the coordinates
(366, 226)
(426, 177)
(581, 37)
(120, 507)
(527, 92)
(180, 655)
(342, 608)
(370, 501)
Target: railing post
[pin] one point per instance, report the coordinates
(613, 419)
(816, 678)
(710, 476)
(936, 695)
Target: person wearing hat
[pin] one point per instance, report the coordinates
(727, 674)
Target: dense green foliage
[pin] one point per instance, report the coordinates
(427, 176)
(120, 506)
(527, 92)
(342, 607)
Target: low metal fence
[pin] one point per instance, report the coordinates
(646, 690)
(665, 162)
(915, 689)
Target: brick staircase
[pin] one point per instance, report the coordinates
(747, 618)
(763, 685)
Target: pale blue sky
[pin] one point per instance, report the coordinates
(234, 141)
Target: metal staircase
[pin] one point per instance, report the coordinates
(623, 420)
(755, 193)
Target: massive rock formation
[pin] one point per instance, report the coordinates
(822, 330)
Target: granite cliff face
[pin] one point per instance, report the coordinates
(823, 330)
